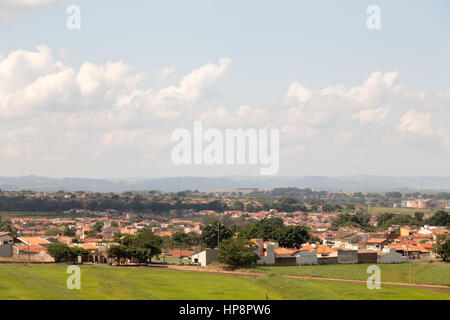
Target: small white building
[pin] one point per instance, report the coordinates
(6, 239)
(205, 257)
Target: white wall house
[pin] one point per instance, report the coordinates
(6, 239)
(205, 257)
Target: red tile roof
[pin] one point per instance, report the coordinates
(180, 253)
(376, 240)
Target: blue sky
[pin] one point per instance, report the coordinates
(271, 45)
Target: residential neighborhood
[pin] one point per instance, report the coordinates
(97, 230)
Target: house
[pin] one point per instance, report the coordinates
(6, 239)
(180, 254)
(108, 232)
(32, 252)
(325, 251)
(283, 256)
(205, 257)
(326, 255)
(35, 241)
(265, 252)
(376, 243)
(307, 255)
(6, 243)
(406, 231)
(348, 239)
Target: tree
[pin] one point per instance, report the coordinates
(53, 232)
(293, 236)
(181, 241)
(237, 205)
(118, 253)
(142, 246)
(7, 226)
(237, 252)
(142, 255)
(75, 252)
(418, 215)
(146, 241)
(68, 232)
(167, 244)
(98, 226)
(194, 239)
(267, 229)
(360, 220)
(59, 251)
(215, 232)
(440, 218)
(442, 246)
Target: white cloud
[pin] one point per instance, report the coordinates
(373, 115)
(343, 137)
(243, 117)
(171, 102)
(193, 85)
(416, 122)
(298, 93)
(32, 82)
(52, 111)
(12, 135)
(165, 72)
(21, 67)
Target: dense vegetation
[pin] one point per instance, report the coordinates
(62, 252)
(237, 252)
(7, 226)
(142, 246)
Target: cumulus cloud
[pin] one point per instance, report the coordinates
(52, 111)
(244, 116)
(32, 82)
(298, 93)
(171, 102)
(416, 122)
(373, 115)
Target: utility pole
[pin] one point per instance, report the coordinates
(409, 262)
(218, 232)
(198, 255)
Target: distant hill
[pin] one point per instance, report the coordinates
(345, 183)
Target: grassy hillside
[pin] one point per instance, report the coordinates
(98, 282)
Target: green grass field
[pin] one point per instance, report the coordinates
(408, 211)
(38, 214)
(422, 273)
(99, 282)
